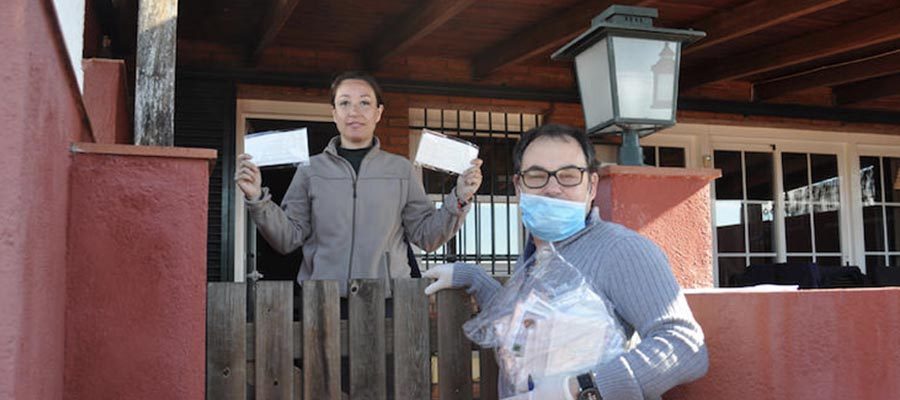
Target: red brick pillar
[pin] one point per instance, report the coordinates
(105, 100)
(671, 206)
(136, 280)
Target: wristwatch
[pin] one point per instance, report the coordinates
(587, 390)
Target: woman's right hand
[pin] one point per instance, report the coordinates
(248, 177)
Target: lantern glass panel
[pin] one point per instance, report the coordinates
(594, 81)
(645, 77)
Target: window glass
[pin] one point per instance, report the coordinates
(729, 186)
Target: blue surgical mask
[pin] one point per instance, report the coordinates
(551, 219)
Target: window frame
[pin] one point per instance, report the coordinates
(850, 253)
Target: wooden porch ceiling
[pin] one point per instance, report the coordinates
(840, 54)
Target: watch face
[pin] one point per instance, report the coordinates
(589, 394)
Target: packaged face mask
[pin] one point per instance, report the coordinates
(545, 321)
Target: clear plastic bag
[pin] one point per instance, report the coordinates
(546, 321)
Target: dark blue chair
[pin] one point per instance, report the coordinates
(806, 276)
(884, 276)
(835, 276)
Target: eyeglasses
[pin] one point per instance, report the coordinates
(536, 178)
(345, 106)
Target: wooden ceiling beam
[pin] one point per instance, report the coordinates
(752, 17)
(542, 36)
(871, 31)
(276, 17)
(867, 90)
(872, 67)
(411, 28)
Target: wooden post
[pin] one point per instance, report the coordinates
(368, 377)
(274, 340)
(412, 355)
(154, 108)
(321, 340)
(226, 339)
(454, 349)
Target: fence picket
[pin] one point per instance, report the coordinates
(454, 350)
(274, 340)
(412, 357)
(321, 341)
(487, 386)
(365, 303)
(226, 357)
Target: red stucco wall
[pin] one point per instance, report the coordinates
(40, 115)
(671, 206)
(105, 99)
(815, 345)
(136, 286)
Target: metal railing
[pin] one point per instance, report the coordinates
(492, 234)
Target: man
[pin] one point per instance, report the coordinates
(556, 180)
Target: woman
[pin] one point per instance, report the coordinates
(351, 206)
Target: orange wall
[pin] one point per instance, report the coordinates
(816, 345)
(106, 100)
(670, 206)
(40, 114)
(136, 287)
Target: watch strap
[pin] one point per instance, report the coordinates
(587, 390)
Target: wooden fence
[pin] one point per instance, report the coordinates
(255, 360)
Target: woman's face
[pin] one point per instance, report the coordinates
(356, 112)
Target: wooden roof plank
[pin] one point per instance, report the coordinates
(412, 27)
(882, 27)
(752, 17)
(543, 36)
(276, 17)
(867, 90)
(873, 67)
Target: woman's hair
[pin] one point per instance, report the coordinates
(357, 75)
(557, 131)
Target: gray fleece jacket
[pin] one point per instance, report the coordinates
(634, 274)
(352, 226)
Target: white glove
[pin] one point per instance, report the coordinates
(443, 276)
(554, 387)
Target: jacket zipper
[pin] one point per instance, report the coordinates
(355, 177)
(352, 226)
(387, 271)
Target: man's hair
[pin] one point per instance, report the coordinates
(358, 75)
(555, 131)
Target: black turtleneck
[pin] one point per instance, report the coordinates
(355, 156)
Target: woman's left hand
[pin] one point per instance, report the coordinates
(467, 183)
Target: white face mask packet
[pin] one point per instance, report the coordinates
(278, 147)
(443, 153)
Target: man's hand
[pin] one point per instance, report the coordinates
(443, 276)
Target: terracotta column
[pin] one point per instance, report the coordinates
(671, 206)
(105, 100)
(135, 323)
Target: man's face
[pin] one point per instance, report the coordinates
(558, 155)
